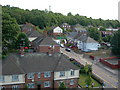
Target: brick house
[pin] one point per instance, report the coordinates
(46, 44)
(28, 27)
(38, 70)
(66, 26)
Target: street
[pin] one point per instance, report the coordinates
(110, 77)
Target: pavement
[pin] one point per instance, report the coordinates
(109, 76)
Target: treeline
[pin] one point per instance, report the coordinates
(45, 18)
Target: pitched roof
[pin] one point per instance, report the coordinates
(91, 40)
(33, 33)
(36, 62)
(72, 34)
(81, 37)
(48, 41)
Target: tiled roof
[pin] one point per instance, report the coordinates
(36, 62)
(33, 33)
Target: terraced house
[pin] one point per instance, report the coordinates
(38, 70)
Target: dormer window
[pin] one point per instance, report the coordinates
(72, 72)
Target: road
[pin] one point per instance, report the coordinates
(109, 77)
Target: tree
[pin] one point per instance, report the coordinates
(10, 30)
(62, 86)
(94, 33)
(88, 81)
(115, 43)
(22, 41)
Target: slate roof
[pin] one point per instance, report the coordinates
(72, 35)
(33, 33)
(81, 37)
(90, 40)
(48, 41)
(36, 62)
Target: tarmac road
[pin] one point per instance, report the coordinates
(110, 77)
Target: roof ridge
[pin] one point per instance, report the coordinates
(18, 66)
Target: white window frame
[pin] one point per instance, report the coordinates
(30, 75)
(62, 74)
(47, 84)
(15, 87)
(2, 78)
(72, 72)
(47, 74)
(39, 75)
(31, 85)
(15, 78)
(72, 82)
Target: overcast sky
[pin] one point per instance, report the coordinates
(105, 9)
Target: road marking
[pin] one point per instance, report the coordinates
(105, 80)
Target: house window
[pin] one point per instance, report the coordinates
(1, 78)
(15, 87)
(72, 73)
(30, 75)
(31, 85)
(15, 78)
(47, 74)
(39, 74)
(62, 74)
(72, 82)
(47, 84)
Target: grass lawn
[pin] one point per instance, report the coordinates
(82, 81)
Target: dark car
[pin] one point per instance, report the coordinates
(68, 49)
(72, 59)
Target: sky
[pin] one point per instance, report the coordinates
(105, 9)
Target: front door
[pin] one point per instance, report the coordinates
(38, 87)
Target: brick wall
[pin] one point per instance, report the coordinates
(42, 79)
(47, 49)
(67, 83)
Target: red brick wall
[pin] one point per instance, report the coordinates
(67, 83)
(57, 33)
(102, 60)
(47, 49)
(42, 79)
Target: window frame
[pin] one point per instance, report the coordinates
(30, 75)
(72, 73)
(48, 82)
(47, 74)
(72, 82)
(39, 74)
(15, 87)
(31, 85)
(62, 74)
(2, 79)
(14, 78)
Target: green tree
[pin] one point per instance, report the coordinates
(62, 86)
(10, 30)
(22, 41)
(94, 33)
(88, 81)
(115, 43)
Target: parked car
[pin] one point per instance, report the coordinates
(72, 47)
(62, 45)
(72, 59)
(68, 49)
